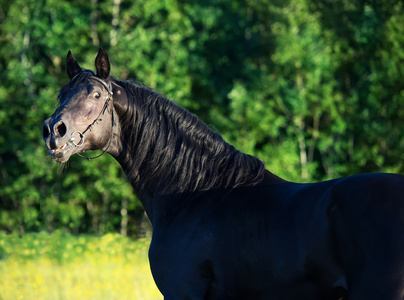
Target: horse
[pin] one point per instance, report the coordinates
(224, 227)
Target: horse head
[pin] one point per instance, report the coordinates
(84, 119)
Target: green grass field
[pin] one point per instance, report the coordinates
(41, 266)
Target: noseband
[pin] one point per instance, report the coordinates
(108, 87)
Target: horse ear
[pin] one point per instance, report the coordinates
(72, 67)
(102, 64)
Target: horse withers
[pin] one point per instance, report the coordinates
(224, 227)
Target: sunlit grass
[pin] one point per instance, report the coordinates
(39, 266)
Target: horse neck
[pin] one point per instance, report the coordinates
(166, 150)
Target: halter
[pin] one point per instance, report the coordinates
(108, 87)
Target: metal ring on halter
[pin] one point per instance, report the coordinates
(81, 136)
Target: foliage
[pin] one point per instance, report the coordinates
(41, 266)
(314, 88)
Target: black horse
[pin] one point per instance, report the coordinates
(223, 226)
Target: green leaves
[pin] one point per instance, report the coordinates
(314, 88)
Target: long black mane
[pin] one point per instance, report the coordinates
(172, 151)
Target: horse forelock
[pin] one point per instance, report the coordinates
(172, 151)
(75, 81)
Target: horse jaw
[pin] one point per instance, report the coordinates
(62, 154)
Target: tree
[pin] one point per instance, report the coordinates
(314, 88)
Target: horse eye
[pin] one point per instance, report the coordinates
(97, 95)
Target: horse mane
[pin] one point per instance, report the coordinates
(172, 151)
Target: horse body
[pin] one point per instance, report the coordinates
(223, 226)
(249, 243)
(284, 241)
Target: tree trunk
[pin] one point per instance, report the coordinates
(114, 22)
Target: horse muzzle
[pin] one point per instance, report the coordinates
(56, 139)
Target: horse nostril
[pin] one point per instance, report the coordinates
(45, 132)
(61, 129)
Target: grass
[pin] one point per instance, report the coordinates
(41, 266)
